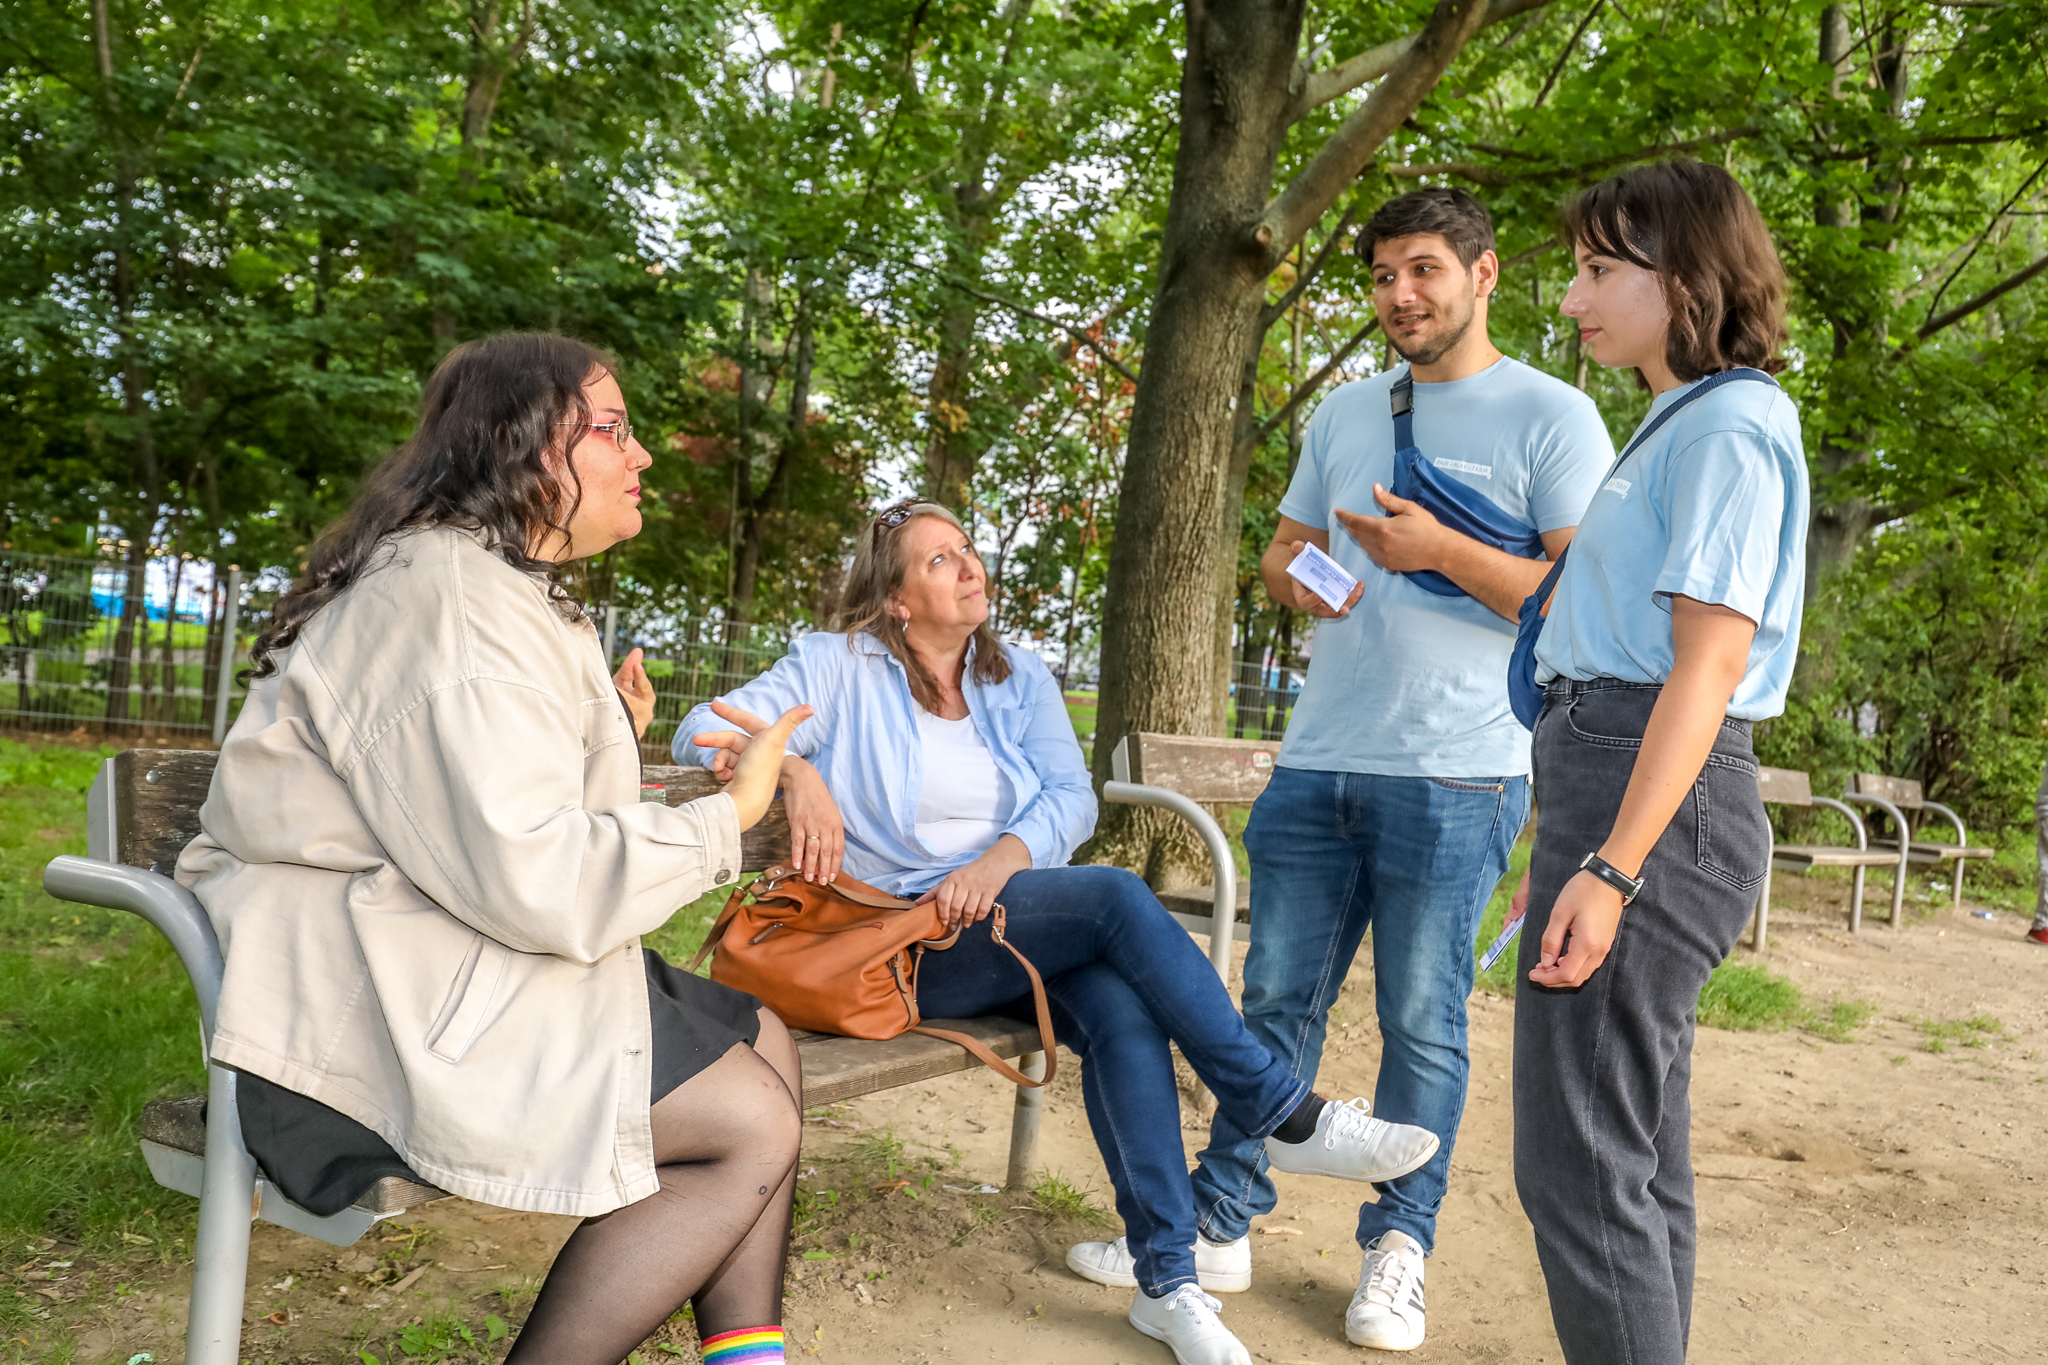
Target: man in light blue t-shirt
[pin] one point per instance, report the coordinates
(1403, 780)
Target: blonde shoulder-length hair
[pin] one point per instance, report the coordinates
(879, 567)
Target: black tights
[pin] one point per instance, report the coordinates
(716, 1234)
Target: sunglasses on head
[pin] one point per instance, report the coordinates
(892, 517)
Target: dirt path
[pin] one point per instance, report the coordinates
(1879, 1199)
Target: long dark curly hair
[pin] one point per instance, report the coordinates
(477, 459)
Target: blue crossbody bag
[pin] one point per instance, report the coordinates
(1525, 694)
(1457, 505)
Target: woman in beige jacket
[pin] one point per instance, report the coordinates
(427, 862)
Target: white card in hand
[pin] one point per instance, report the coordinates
(1323, 576)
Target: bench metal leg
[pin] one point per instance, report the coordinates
(1856, 903)
(1762, 917)
(1959, 881)
(220, 1271)
(1024, 1123)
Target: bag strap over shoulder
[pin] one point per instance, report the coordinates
(997, 921)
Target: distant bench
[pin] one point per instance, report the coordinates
(144, 808)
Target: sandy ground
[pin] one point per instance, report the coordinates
(1879, 1199)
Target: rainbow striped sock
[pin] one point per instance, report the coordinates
(748, 1346)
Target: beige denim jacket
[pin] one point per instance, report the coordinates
(428, 864)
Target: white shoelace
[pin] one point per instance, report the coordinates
(1389, 1283)
(1189, 1297)
(1352, 1119)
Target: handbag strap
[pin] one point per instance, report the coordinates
(997, 921)
(1699, 390)
(732, 907)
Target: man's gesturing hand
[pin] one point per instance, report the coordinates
(1311, 602)
(758, 755)
(1408, 538)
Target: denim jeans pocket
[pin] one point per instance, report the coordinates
(1452, 784)
(1583, 716)
(1734, 832)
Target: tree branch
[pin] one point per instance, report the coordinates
(1373, 63)
(1278, 307)
(1977, 243)
(1312, 383)
(1557, 68)
(1076, 333)
(1493, 175)
(1351, 147)
(1991, 295)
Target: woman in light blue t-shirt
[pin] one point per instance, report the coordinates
(1674, 627)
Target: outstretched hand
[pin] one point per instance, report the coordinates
(754, 757)
(1407, 539)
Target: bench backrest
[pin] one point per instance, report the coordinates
(1784, 787)
(145, 808)
(1902, 792)
(1231, 771)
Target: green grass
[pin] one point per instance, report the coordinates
(1501, 979)
(96, 1019)
(1056, 1197)
(1937, 1034)
(1745, 997)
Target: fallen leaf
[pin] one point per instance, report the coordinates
(501, 1217)
(1280, 1232)
(282, 1317)
(409, 1281)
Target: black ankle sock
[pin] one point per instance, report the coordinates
(1300, 1125)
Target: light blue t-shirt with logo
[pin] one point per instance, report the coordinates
(1412, 684)
(1712, 507)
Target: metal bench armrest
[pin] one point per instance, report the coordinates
(1855, 823)
(175, 912)
(1898, 817)
(1224, 923)
(1962, 835)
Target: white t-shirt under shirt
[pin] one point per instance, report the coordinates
(1412, 684)
(966, 802)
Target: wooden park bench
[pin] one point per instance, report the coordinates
(1898, 795)
(144, 808)
(1185, 774)
(1785, 787)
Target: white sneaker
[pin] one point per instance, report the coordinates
(1351, 1145)
(1386, 1312)
(1221, 1269)
(1186, 1321)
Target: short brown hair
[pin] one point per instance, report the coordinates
(1451, 214)
(1697, 228)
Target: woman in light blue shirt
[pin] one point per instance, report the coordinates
(1674, 627)
(940, 763)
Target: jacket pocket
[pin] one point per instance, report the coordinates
(469, 998)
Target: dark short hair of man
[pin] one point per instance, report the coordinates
(1451, 214)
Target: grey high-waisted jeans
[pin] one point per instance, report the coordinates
(1603, 1153)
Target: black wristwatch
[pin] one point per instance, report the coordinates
(1629, 887)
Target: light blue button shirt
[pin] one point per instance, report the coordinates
(1412, 684)
(863, 740)
(1712, 507)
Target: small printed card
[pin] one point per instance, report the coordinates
(1508, 933)
(1323, 576)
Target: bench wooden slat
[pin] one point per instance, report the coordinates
(161, 791)
(1784, 786)
(1200, 768)
(1794, 857)
(1903, 792)
(1199, 902)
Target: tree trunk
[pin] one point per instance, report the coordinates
(954, 447)
(120, 675)
(1241, 89)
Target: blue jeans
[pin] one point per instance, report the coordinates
(1123, 979)
(1414, 859)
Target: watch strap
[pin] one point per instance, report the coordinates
(1629, 887)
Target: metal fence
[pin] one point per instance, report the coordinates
(691, 660)
(126, 648)
(1260, 701)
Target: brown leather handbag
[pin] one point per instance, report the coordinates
(843, 958)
